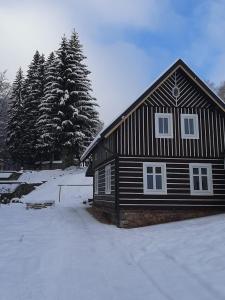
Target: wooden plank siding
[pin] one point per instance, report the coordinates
(136, 135)
(101, 197)
(178, 183)
(104, 151)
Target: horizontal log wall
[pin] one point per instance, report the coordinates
(178, 183)
(101, 198)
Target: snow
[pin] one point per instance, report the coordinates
(64, 253)
(8, 188)
(5, 175)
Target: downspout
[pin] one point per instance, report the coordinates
(117, 207)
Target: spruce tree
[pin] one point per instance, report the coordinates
(15, 130)
(5, 92)
(65, 126)
(34, 89)
(87, 117)
(48, 143)
(77, 113)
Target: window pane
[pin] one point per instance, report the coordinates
(161, 125)
(166, 125)
(158, 182)
(195, 171)
(204, 183)
(204, 171)
(186, 126)
(158, 170)
(196, 183)
(191, 126)
(149, 170)
(150, 182)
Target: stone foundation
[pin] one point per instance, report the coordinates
(138, 218)
(103, 215)
(131, 218)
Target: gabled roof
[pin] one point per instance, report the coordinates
(114, 125)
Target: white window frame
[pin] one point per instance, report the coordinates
(196, 126)
(209, 176)
(96, 181)
(155, 191)
(108, 179)
(169, 116)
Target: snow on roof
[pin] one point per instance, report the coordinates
(91, 146)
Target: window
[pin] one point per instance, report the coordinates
(96, 182)
(189, 126)
(154, 177)
(201, 179)
(163, 125)
(108, 179)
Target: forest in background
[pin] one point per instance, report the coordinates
(49, 113)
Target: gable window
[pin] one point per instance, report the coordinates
(189, 126)
(201, 179)
(96, 182)
(163, 125)
(108, 179)
(154, 178)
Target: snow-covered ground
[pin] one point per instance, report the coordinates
(63, 253)
(5, 175)
(8, 188)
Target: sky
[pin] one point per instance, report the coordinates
(128, 43)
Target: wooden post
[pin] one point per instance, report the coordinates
(60, 188)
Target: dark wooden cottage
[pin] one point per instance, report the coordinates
(162, 159)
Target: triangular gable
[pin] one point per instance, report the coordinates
(179, 68)
(179, 64)
(179, 90)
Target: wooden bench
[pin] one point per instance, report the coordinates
(40, 205)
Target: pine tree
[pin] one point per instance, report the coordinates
(48, 143)
(16, 116)
(34, 89)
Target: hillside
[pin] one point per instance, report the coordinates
(63, 253)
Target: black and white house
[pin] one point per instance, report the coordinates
(162, 159)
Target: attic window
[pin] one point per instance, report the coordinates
(176, 91)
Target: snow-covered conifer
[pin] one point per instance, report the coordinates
(87, 118)
(77, 112)
(48, 143)
(15, 130)
(34, 85)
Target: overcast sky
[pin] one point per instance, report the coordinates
(128, 42)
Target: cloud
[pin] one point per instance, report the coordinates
(136, 13)
(207, 48)
(121, 73)
(25, 28)
(120, 69)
